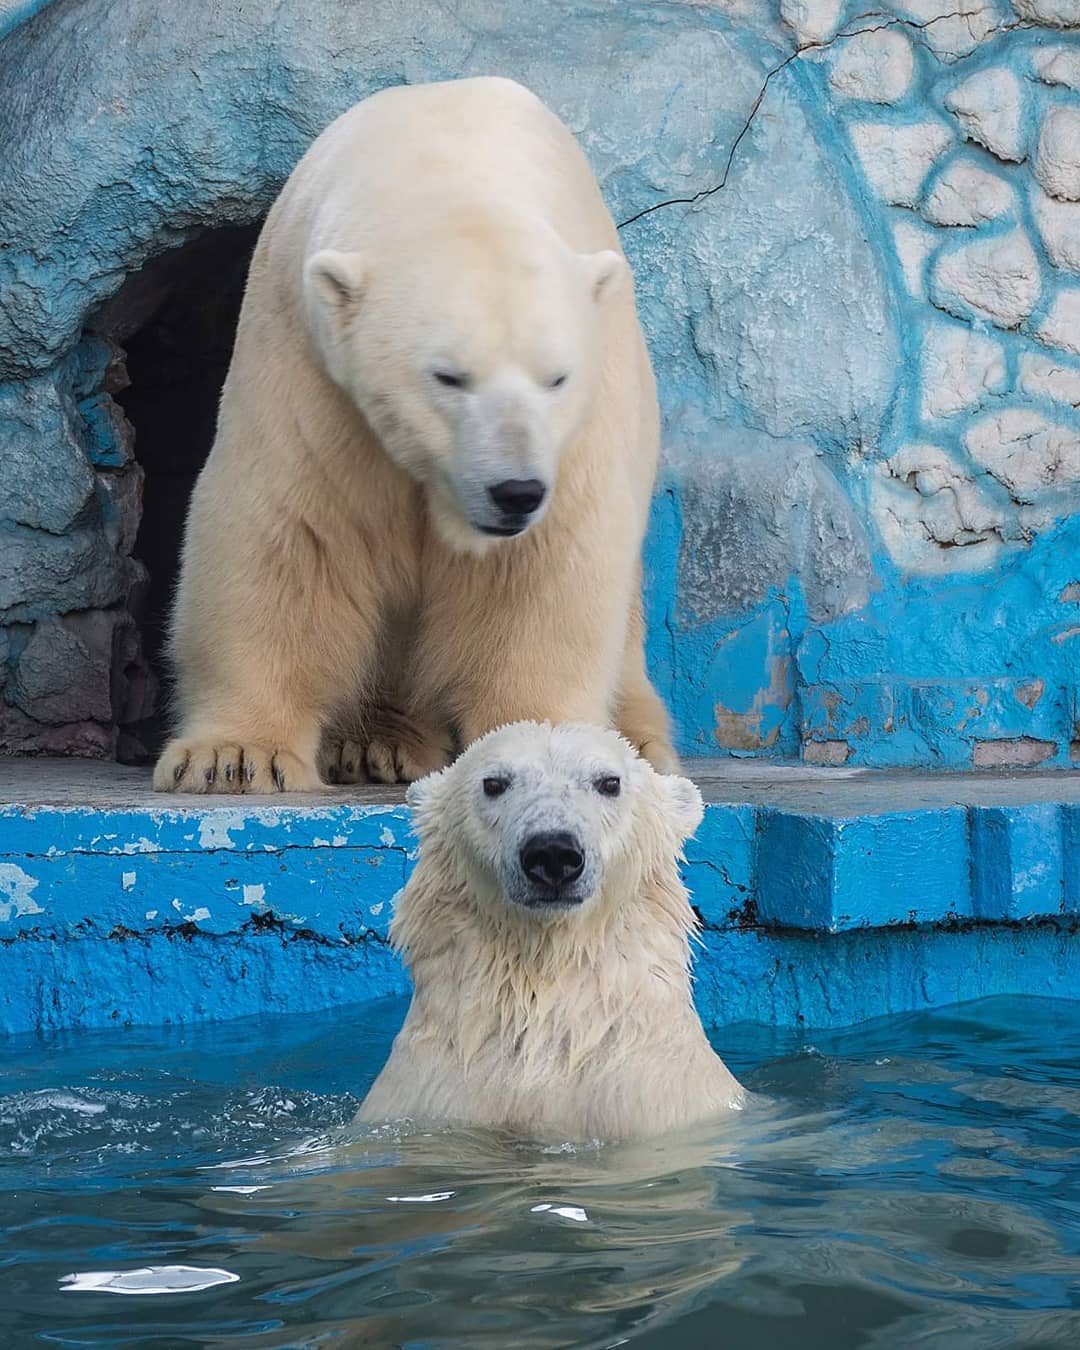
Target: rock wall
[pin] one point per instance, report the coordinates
(856, 235)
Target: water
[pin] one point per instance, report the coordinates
(911, 1182)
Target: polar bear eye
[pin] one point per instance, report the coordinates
(609, 786)
(558, 381)
(495, 787)
(451, 379)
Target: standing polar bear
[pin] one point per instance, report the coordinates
(423, 512)
(547, 932)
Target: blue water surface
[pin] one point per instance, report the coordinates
(910, 1182)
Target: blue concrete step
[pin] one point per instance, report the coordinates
(828, 895)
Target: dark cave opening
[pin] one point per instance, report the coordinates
(176, 321)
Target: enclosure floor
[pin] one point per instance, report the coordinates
(831, 791)
(826, 896)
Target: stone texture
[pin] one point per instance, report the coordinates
(826, 752)
(1020, 753)
(96, 364)
(64, 673)
(996, 278)
(109, 436)
(790, 318)
(120, 502)
(959, 368)
(43, 573)
(965, 194)
(1059, 225)
(757, 510)
(22, 735)
(951, 28)
(914, 245)
(1056, 13)
(933, 518)
(1058, 65)
(1026, 452)
(875, 67)
(1057, 163)
(896, 159)
(1043, 377)
(989, 108)
(45, 480)
(1061, 326)
(812, 20)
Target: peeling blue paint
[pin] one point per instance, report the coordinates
(138, 914)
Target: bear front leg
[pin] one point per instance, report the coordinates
(641, 716)
(243, 727)
(264, 648)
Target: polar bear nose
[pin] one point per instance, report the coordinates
(517, 496)
(552, 860)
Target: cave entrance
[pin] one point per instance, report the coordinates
(176, 321)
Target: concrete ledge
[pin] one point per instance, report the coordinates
(828, 895)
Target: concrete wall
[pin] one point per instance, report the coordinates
(856, 234)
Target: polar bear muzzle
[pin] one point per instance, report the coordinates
(516, 499)
(553, 863)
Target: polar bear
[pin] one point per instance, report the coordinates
(423, 512)
(547, 932)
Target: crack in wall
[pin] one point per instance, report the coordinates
(264, 924)
(890, 22)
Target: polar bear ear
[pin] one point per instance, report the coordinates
(605, 271)
(421, 792)
(336, 281)
(684, 802)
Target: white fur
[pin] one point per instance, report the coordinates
(575, 1022)
(337, 584)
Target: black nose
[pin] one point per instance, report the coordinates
(517, 496)
(552, 860)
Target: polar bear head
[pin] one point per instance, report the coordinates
(472, 347)
(544, 820)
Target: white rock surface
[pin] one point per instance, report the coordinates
(914, 244)
(1024, 450)
(896, 159)
(965, 194)
(952, 27)
(1042, 375)
(959, 367)
(875, 66)
(812, 20)
(996, 278)
(1057, 163)
(1058, 13)
(1059, 225)
(1058, 65)
(989, 107)
(932, 517)
(1061, 327)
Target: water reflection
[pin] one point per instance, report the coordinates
(908, 1183)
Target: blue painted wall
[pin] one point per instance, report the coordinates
(856, 236)
(810, 914)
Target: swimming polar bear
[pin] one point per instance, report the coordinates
(547, 932)
(423, 511)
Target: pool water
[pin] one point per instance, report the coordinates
(913, 1181)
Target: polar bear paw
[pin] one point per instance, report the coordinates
(397, 749)
(232, 766)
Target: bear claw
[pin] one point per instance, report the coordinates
(230, 767)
